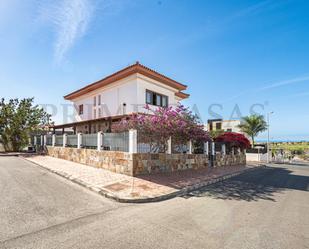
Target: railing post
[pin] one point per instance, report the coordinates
(223, 149)
(42, 141)
(64, 140)
(132, 141)
(99, 140)
(190, 147)
(206, 148)
(169, 146)
(53, 140)
(34, 140)
(79, 140)
(45, 140)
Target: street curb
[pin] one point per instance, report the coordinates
(174, 194)
(16, 154)
(180, 192)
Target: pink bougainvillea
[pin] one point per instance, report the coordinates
(162, 123)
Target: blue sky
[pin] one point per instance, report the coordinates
(232, 54)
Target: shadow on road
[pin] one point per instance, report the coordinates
(260, 184)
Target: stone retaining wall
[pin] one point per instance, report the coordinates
(230, 160)
(115, 161)
(161, 163)
(141, 163)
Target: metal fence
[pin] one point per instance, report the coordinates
(116, 141)
(89, 140)
(49, 140)
(38, 140)
(71, 141)
(59, 140)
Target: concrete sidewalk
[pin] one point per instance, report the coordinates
(136, 189)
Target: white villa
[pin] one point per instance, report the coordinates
(119, 95)
(224, 125)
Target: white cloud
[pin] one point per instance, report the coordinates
(285, 82)
(251, 9)
(270, 86)
(70, 19)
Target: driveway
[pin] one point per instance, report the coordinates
(267, 208)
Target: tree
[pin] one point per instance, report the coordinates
(216, 133)
(253, 125)
(18, 119)
(162, 123)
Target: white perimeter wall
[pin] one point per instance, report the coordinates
(255, 157)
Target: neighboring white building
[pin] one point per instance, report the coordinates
(123, 93)
(224, 125)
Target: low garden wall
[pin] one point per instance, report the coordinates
(159, 163)
(230, 160)
(142, 163)
(115, 161)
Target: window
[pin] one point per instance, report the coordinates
(94, 101)
(157, 99)
(99, 100)
(218, 126)
(99, 113)
(229, 130)
(164, 101)
(94, 113)
(210, 127)
(149, 97)
(81, 109)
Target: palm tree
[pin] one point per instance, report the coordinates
(253, 125)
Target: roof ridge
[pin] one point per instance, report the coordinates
(135, 69)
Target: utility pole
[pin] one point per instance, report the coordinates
(268, 135)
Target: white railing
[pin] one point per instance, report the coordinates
(126, 142)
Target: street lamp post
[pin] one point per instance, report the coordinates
(268, 143)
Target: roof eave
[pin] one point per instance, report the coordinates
(135, 68)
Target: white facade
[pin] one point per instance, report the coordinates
(231, 125)
(125, 96)
(225, 125)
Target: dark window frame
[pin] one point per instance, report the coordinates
(153, 98)
(81, 109)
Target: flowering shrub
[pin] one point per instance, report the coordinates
(234, 140)
(161, 124)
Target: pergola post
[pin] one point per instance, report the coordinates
(99, 140)
(132, 141)
(190, 147)
(206, 148)
(79, 140)
(169, 146)
(64, 140)
(53, 140)
(223, 149)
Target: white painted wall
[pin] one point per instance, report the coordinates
(131, 91)
(255, 157)
(144, 83)
(231, 124)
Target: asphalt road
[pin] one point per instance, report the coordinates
(268, 208)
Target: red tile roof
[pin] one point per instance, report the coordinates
(182, 95)
(135, 68)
